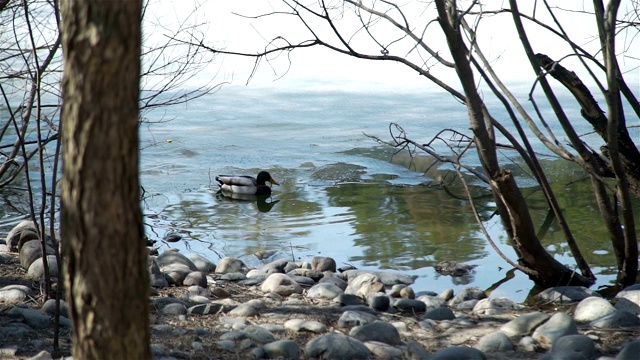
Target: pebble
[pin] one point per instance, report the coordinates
(175, 258)
(379, 327)
(36, 269)
(324, 291)
(377, 331)
(282, 349)
(581, 344)
(592, 308)
(337, 346)
(565, 294)
(202, 263)
(15, 294)
(558, 325)
(524, 324)
(410, 306)
(281, 284)
(355, 318)
(495, 341)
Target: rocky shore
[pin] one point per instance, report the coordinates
(309, 310)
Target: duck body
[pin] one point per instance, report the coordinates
(243, 184)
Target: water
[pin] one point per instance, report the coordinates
(342, 194)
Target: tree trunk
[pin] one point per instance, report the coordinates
(512, 207)
(105, 259)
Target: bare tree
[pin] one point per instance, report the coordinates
(106, 275)
(443, 37)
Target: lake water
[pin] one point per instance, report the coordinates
(341, 194)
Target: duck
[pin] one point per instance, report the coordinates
(243, 184)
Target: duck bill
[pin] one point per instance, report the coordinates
(273, 182)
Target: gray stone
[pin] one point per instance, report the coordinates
(395, 290)
(160, 303)
(565, 294)
(524, 324)
(282, 349)
(446, 294)
(14, 294)
(259, 334)
(205, 309)
(388, 278)
(244, 310)
(355, 318)
(349, 299)
(49, 307)
(276, 266)
(234, 335)
(31, 317)
(172, 258)
(616, 319)
(257, 273)
(336, 346)
(592, 308)
(30, 251)
(381, 350)
(407, 293)
(629, 300)
(228, 265)
(13, 237)
(15, 331)
(630, 351)
(335, 281)
(495, 306)
(575, 343)
(296, 325)
(36, 270)
(468, 293)
(558, 325)
(198, 299)
(377, 331)
(379, 302)
(314, 275)
(176, 273)
(233, 276)
(432, 301)
(361, 308)
(415, 351)
(281, 284)
(302, 280)
(467, 304)
(364, 284)
(199, 290)
(195, 278)
(495, 341)
(157, 278)
(324, 291)
(527, 343)
(323, 263)
(202, 263)
(439, 314)
(458, 353)
(174, 309)
(410, 306)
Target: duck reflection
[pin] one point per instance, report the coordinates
(264, 202)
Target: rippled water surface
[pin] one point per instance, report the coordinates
(342, 194)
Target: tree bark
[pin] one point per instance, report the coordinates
(105, 273)
(512, 207)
